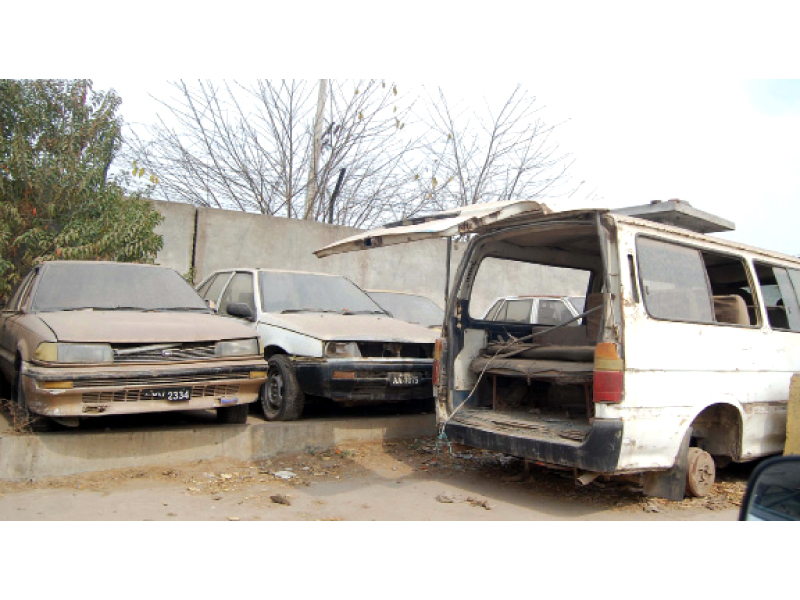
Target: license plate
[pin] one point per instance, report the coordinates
(169, 394)
(403, 379)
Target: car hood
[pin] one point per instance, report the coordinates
(357, 328)
(142, 327)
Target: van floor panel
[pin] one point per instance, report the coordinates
(523, 423)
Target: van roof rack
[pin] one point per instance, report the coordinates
(678, 213)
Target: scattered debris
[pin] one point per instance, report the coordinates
(280, 499)
(480, 503)
(285, 475)
(445, 499)
(651, 507)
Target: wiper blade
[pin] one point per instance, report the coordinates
(302, 310)
(364, 312)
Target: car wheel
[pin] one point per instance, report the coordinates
(700, 473)
(233, 415)
(282, 399)
(24, 419)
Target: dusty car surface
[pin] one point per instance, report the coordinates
(81, 339)
(323, 336)
(411, 308)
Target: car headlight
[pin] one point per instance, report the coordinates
(342, 350)
(247, 347)
(74, 353)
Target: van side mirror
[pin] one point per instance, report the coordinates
(241, 310)
(773, 492)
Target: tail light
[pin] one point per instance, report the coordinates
(437, 357)
(608, 374)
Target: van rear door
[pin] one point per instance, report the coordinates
(476, 218)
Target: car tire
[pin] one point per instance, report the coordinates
(233, 415)
(281, 397)
(24, 419)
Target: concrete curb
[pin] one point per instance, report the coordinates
(31, 457)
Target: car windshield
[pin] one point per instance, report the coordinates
(113, 286)
(407, 307)
(309, 292)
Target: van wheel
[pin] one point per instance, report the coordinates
(700, 473)
(282, 399)
(233, 415)
(24, 419)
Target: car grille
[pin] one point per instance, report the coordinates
(394, 350)
(134, 395)
(168, 380)
(160, 353)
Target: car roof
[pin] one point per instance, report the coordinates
(270, 270)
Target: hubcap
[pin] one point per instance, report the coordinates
(274, 392)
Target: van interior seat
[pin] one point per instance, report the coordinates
(731, 309)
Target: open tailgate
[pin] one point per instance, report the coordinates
(468, 219)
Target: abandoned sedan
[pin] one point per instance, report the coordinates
(81, 339)
(323, 336)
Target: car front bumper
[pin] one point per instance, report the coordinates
(113, 390)
(366, 380)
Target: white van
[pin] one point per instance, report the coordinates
(681, 362)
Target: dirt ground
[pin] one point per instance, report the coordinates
(404, 481)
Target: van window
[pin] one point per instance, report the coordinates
(780, 297)
(686, 284)
(674, 282)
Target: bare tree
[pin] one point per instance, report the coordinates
(502, 155)
(251, 147)
(263, 147)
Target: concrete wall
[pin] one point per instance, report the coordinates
(227, 239)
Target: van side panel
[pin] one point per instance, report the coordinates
(674, 371)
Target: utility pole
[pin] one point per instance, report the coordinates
(311, 188)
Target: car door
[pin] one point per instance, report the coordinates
(9, 329)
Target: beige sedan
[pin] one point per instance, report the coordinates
(81, 339)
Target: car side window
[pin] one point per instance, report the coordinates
(552, 312)
(213, 289)
(21, 293)
(518, 311)
(240, 290)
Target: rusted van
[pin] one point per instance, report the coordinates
(680, 362)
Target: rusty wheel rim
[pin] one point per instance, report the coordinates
(700, 473)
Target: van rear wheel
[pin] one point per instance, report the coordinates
(700, 473)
